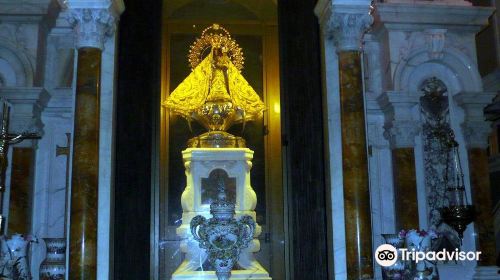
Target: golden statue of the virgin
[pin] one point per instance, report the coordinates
(215, 93)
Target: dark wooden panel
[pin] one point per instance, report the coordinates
(139, 60)
(303, 137)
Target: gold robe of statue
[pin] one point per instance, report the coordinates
(215, 80)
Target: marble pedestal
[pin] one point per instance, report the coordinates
(205, 167)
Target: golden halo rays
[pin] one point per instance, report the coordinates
(215, 36)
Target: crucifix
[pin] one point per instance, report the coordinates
(7, 139)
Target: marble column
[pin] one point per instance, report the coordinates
(401, 131)
(91, 26)
(83, 228)
(355, 167)
(346, 24)
(476, 131)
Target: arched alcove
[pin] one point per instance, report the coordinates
(15, 67)
(457, 73)
(453, 65)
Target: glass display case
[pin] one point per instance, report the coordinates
(253, 25)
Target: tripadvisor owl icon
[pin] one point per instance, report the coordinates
(386, 255)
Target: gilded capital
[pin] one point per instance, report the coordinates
(92, 26)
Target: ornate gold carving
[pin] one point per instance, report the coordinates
(215, 93)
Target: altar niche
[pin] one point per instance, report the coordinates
(209, 187)
(145, 181)
(253, 25)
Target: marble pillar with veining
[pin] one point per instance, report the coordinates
(355, 167)
(83, 228)
(345, 24)
(92, 25)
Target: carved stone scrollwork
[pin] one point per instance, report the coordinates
(347, 29)
(435, 39)
(92, 26)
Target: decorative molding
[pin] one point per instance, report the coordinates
(27, 107)
(474, 103)
(13, 49)
(409, 16)
(219, 164)
(27, 8)
(435, 40)
(402, 134)
(475, 128)
(400, 127)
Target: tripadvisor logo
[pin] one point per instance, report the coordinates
(387, 255)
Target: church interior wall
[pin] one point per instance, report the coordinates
(38, 74)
